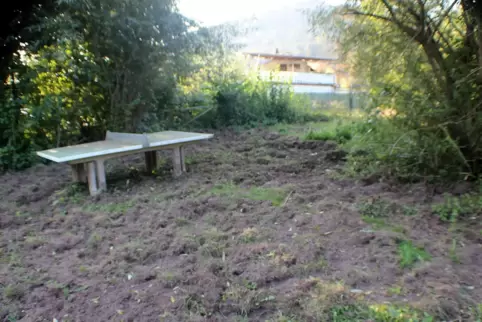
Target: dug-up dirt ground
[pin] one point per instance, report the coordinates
(260, 228)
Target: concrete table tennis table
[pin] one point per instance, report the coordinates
(87, 160)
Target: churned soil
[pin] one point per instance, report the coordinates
(253, 231)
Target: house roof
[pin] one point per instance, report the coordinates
(289, 56)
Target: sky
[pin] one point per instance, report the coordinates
(212, 12)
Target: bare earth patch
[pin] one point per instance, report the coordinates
(257, 230)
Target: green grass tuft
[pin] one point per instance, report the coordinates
(410, 254)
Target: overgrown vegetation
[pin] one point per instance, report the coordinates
(96, 66)
(421, 64)
(468, 205)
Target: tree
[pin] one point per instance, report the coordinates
(425, 56)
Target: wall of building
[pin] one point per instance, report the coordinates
(299, 78)
(290, 65)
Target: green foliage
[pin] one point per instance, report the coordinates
(248, 101)
(378, 313)
(453, 208)
(341, 134)
(98, 65)
(411, 254)
(377, 208)
(424, 98)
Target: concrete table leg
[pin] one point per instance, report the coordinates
(101, 175)
(78, 173)
(151, 161)
(91, 177)
(178, 161)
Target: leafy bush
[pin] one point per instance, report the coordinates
(246, 100)
(387, 147)
(16, 158)
(424, 92)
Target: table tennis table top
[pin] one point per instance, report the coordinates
(124, 142)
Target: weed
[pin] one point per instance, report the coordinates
(94, 241)
(453, 252)
(322, 298)
(410, 254)
(35, 241)
(195, 305)
(13, 317)
(311, 267)
(242, 299)
(340, 131)
(409, 210)
(454, 207)
(73, 193)
(212, 242)
(477, 312)
(213, 249)
(251, 285)
(377, 313)
(248, 235)
(181, 221)
(379, 223)
(377, 208)
(59, 288)
(169, 279)
(22, 214)
(376, 223)
(276, 196)
(340, 135)
(395, 290)
(13, 292)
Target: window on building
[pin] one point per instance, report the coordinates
(297, 67)
(283, 67)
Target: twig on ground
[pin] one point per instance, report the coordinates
(287, 197)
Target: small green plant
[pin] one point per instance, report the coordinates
(378, 313)
(410, 254)
(339, 136)
(409, 211)
(251, 285)
(453, 252)
(376, 223)
(94, 241)
(395, 290)
(13, 292)
(454, 207)
(310, 268)
(169, 279)
(377, 208)
(181, 221)
(248, 235)
(339, 131)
